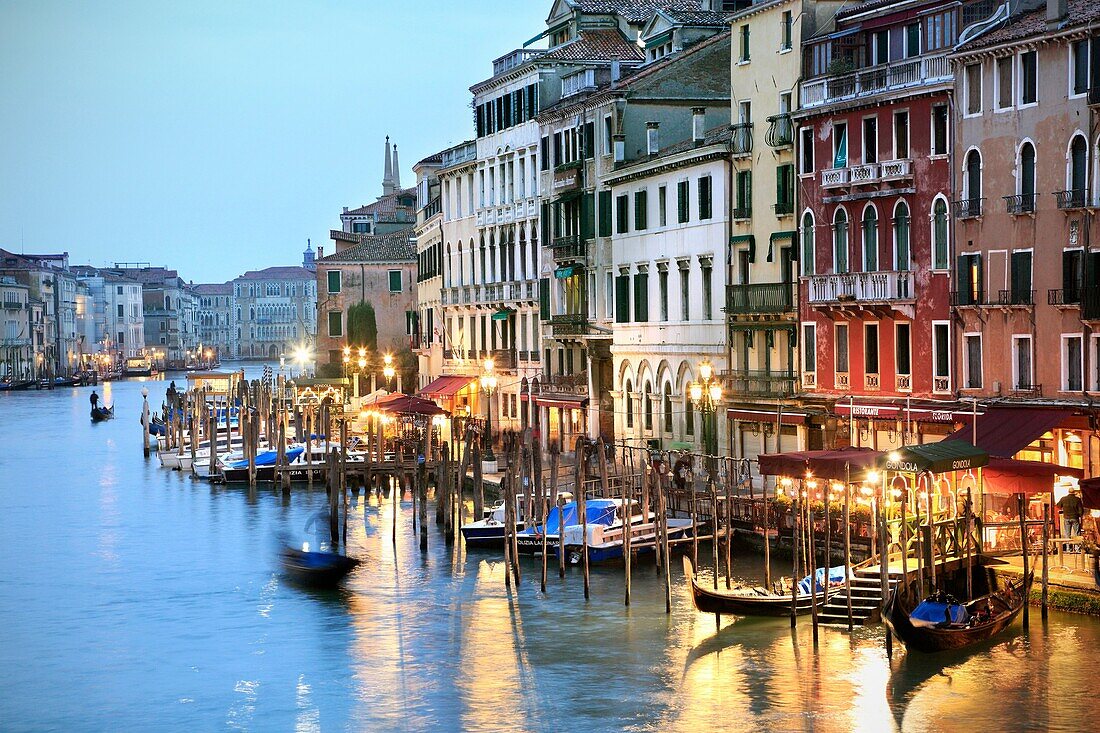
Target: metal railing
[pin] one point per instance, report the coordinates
(760, 383)
(1064, 296)
(741, 142)
(569, 247)
(742, 212)
(1023, 203)
(503, 358)
(783, 208)
(1016, 297)
(759, 298)
(918, 71)
(780, 132)
(1074, 198)
(861, 286)
(962, 298)
(569, 324)
(967, 208)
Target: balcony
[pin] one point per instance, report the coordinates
(762, 298)
(967, 208)
(833, 177)
(941, 384)
(1064, 297)
(967, 298)
(859, 287)
(1021, 204)
(570, 247)
(809, 380)
(871, 382)
(780, 132)
(1076, 198)
(760, 383)
(741, 142)
(569, 324)
(742, 212)
(434, 207)
(1016, 297)
(784, 208)
(565, 384)
(860, 175)
(841, 380)
(903, 382)
(503, 358)
(915, 72)
(893, 170)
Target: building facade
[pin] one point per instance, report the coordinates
(114, 315)
(217, 331)
(273, 312)
(18, 348)
(52, 290)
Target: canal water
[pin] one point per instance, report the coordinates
(134, 598)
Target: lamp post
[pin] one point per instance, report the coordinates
(706, 393)
(388, 370)
(347, 360)
(488, 384)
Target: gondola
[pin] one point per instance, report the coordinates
(102, 413)
(966, 626)
(318, 569)
(17, 385)
(749, 601)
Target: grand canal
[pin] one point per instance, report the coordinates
(134, 598)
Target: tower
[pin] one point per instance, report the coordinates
(309, 261)
(388, 185)
(396, 170)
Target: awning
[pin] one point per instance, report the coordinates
(403, 404)
(502, 314)
(1009, 476)
(562, 399)
(1090, 493)
(568, 196)
(879, 411)
(445, 386)
(568, 271)
(1005, 431)
(748, 239)
(788, 418)
(836, 465)
(935, 457)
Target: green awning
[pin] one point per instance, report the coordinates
(568, 271)
(947, 455)
(502, 315)
(568, 196)
(790, 235)
(748, 239)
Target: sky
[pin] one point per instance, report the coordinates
(216, 137)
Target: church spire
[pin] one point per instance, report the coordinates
(387, 179)
(396, 169)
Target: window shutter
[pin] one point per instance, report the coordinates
(605, 213)
(682, 201)
(588, 215)
(544, 299)
(962, 280)
(641, 297)
(622, 299)
(639, 210)
(544, 224)
(704, 197)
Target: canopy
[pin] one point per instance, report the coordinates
(596, 511)
(403, 404)
(1090, 493)
(953, 455)
(445, 386)
(828, 464)
(1005, 431)
(1008, 476)
(562, 399)
(502, 314)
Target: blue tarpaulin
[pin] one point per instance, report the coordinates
(933, 613)
(836, 575)
(597, 511)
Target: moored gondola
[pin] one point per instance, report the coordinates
(745, 601)
(940, 623)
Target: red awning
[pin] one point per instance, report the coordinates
(788, 418)
(1005, 431)
(1090, 493)
(1009, 476)
(835, 465)
(445, 386)
(403, 404)
(898, 411)
(562, 399)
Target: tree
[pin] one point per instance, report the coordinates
(363, 327)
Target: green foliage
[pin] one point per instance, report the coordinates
(1066, 600)
(330, 371)
(363, 327)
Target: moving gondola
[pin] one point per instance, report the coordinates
(317, 569)
(99, 414)
(746, 601)
(940, 623)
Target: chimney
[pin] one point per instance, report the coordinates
(619, 144)
(698, 124)
(345, 209)
(652, 146)
(1056, 12)
(320, 251)
(616, 72)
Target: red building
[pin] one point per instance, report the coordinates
(874, 164)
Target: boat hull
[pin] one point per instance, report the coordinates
(613, 551)
(99, 414)
(485, 536)
(731, 603)
(317, 569)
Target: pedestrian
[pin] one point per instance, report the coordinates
(94, 399)
(1072, 508)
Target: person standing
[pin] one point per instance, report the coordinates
(94, 399)
(1072, 508)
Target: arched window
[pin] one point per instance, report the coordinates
(973, 184)
(940, 249)
(628, 403)
(647, 405)
(901, 237)
(1078, 156)
(870, 239)
(1026, 178)
(808, 244)
(840, 241)
(668, 408)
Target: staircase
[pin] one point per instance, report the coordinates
(866, 599)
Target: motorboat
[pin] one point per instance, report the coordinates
(316, 568)
(597, 512)
(236, 471)
(606, 541)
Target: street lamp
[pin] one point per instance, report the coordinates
(706, 393)
(488, 384)
(387, 370)
(347, 359)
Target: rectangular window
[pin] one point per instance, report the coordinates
(641, 297)
(870, 348)
(607, 135)
(786, 34)
(622, 214)
(1021, 362)
(682, 202)
(969, 280)
(1029, 77)
(806, 150)
(973, 75)
(912, 40)
(395, 281)
(870, 140)
(941, 357)
(335, 323)
(589, 140)
(703, 191)
(840, 144)
(622, 299)
(743, 208)
(744, 55)
(334, 281)
(1071, 363)
(809, 347)
(841, 347)
(641, 215)
(662, 284)
(901, 135)
(685, 294)
(973, 360)
(1020, 292)
(1072, 270)
(880, 47)
(121, 310)
(609, 295)
(939, 130)
(1079, 67)
(544, 154)
(707, 306)
(1004, 82)
(784, 189)
(605, 213)
(662, 206)
(902, 344)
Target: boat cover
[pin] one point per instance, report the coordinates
(268, 458)
(934, 613)
(597, 511)
(836, 575)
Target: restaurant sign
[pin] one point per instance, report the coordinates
(566, 181)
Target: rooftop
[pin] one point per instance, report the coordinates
(385, 206)
(633, 11)
(601, 45)
(214, 289)
(278, 273)
(1034, 23)
(396, 246)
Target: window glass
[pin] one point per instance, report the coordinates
(395, 281)
(1029, 81)
(334, 281)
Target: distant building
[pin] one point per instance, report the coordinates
(217, 333)
(274, 311)
(394, 210)
(17, 348)
(114, 314)
(170, 313)
(52, 288)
